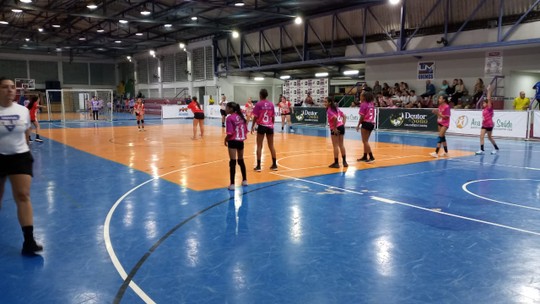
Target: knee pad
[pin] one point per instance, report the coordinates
(241, 162)
(439, 139)
(142, 120)
(138, 122)
(443, 139)
(232, 163)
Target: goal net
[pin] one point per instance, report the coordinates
(79, 104)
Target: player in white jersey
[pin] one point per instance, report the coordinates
(16, 160)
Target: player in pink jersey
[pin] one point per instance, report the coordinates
(249, 109)
(139, 110)
(263, 114)
(443, 121)
(236, 127)
(367, 120)
(487, 123)
(336, 122)
(285, 110)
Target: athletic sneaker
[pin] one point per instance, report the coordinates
(244, 183)
(444, 154)
(39, 140)
(334, 165)
(370, 160)
(30, 140)
(433, 154)
(494, 152)
(363, 159)
(258, 169)
(30, 248)
(273, 168)
(291, 130)
(231, 187)
(345, 164)
(480, 152)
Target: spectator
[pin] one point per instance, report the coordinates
(537, 95)
(377, 89)
(309, 100)
(460, 91)
(479, 88)
(521, 103)
(428, 94)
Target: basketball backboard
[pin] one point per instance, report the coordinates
(25, 84)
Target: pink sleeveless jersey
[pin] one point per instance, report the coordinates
(367, 110)
(264, 113)
(236, 127)
(444, 109)
(487, 117)
(335, 118)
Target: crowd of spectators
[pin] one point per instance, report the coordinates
(400, 95)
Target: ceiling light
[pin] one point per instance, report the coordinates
(27, 39)
(321, 74)
(56, 25)
(16, 10)
(100, 30)
(351, 72)
(4, 22)
(139, 34)
(235, 34)
(145, 12)
(258, 78)
(239, 3)
(92, 6)
(58, 49)
(100, 49)
(152, 53)
(118, 41)
(168, 25)
(285, 77)
(26, 1)
(82, 38)
(40, 30)
(123, 21)
(394, 2)
(129, 57)
(182, 45)
(298, 20)
(194, 18)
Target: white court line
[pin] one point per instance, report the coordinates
(389, 201)
(498, 165)
(107, 237)
(464, 187)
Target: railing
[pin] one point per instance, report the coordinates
(494, 84)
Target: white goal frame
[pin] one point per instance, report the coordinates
(105, 94)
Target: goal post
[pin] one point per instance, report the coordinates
(75, 104)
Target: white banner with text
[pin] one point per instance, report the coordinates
(506, 123)
(175, 111)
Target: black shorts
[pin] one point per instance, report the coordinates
(223, 113)
(285, 114)
(235, 144)
(489, 129)
(265, 130)
(16, 164)
(198, 115)
(368, 126)
(341, 130)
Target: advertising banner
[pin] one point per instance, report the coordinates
(174, 111)
(506, 123)
(426, 70)
(407, 119)
(536, 129)
(353, 116)
(310, 116)
(213, 112)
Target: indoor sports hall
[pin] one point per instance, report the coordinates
(132, 204)
(156, 223)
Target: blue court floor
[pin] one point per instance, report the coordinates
(453, 230)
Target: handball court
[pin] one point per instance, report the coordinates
(145, 217)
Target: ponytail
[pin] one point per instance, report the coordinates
(236, 109)
(33, 100)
